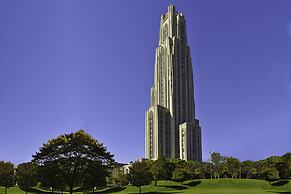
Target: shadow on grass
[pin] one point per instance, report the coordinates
(280, 183)
(177, 187)
(282, 192)
(156, 192)
(106, 190)
(109, 190)
(193, 183)
(35, 190)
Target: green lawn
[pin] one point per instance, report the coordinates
(220, 186)
(12, 190)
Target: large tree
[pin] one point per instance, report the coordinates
(121, 179)
(140, 175)
(247, 169)
(206, 170)
(71, 156)
(95, 176)
(180, 175)
(234, 167)
(6, 175)
(218, 162)
(193, 168)
(286, 165)
(50, 176)
(26, 176)
(160, 169)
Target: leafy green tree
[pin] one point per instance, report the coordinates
(160, 170)
(254, 172)
(233, 166)
(247, 169)
(50, 176)
(121, 179)
(94, 176)
(193, 169)
(273, 161)
(71, 155)
(177, 163)
(180, 175)
(140, 174)
(286, 172)
(26, 176)
(276, 162)
(269, 174)
(218, 162)
(6, 175)
(205, 170)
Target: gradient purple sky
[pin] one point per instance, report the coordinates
(69, 65)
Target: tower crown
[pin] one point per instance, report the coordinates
(171, 9)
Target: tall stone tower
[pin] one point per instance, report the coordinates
(172, 131)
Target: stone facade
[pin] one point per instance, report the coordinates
(172, 108)
(190, 141)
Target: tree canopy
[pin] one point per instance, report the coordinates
(180, 175)
(160, 170)
(26, 176)
(139, 174)
(69, 157)
(6, 175)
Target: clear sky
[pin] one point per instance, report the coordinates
(69, 65)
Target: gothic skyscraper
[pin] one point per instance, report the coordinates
(172, 131)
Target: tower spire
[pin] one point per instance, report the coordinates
(171, 9)
(171, 127)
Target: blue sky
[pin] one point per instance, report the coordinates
(69, 65)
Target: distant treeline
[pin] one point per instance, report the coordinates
(145, 171)
(270, 169)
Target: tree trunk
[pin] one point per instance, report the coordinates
(5, 190)
(181, 183)
(71, 189)
(93, 189)
(156, 182)
(139, 189)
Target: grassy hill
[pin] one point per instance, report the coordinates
(220, 186)
(204, 186)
